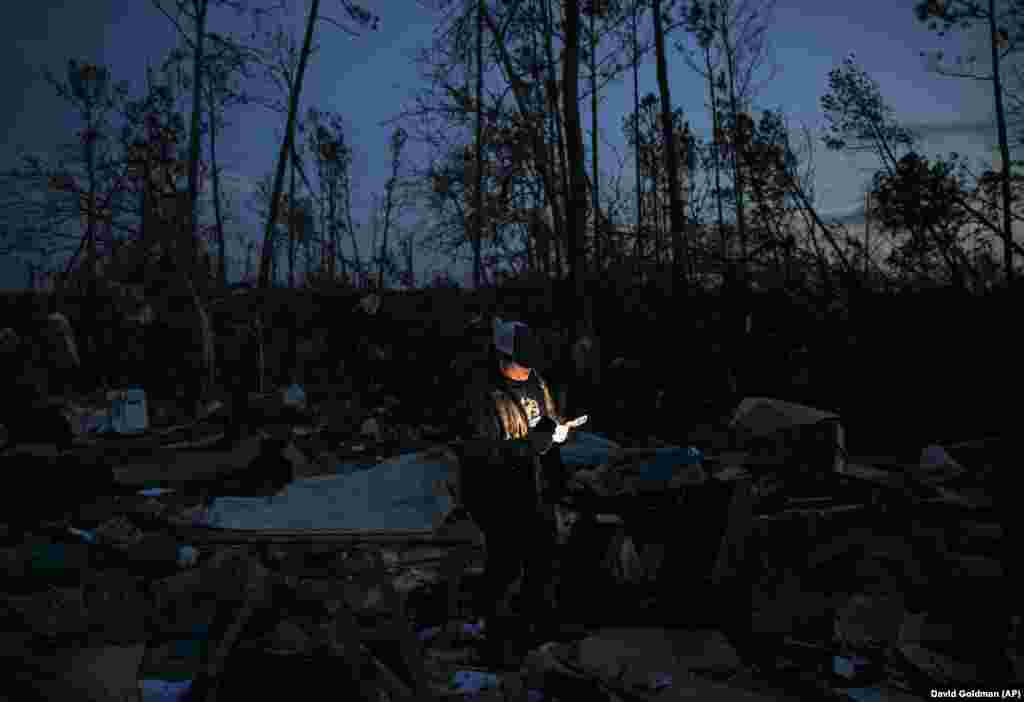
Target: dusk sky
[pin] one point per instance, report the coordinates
(371, 77)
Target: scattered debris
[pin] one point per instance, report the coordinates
(370, 429)
(294, 396)
(62, 339)
(297, 544)
(164, 690)
(937, 466)
(370, 304)
(472, 681)
(128, 410)
(789, 433)
(865, 622)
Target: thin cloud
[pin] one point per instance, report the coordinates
(934, 129)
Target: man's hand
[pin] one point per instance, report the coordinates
(562, 430)
(561, 433)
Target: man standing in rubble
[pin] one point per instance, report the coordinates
(511, 474)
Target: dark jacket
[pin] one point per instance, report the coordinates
(499, 452)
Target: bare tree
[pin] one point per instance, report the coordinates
(736, 31)
(636, 126)
(329, 141)
(677, 212)
(859, 120)
(221, 96)
(190, 18)
(923, 198)
(528, 44)
(225, 62)
(290, 213)
(396, 145)
(478, 204)
(593, 9)
(1005, 33)
(83, 189)
(362, 18)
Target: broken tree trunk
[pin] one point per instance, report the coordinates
(677, 215)
(286, 146)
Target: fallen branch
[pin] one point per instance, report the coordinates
(206, 691)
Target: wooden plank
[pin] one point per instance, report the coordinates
(740, 520)
(208, 535)
(174, 466)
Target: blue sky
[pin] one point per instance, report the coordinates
(370, 78)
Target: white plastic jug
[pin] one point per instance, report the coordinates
(128, 410)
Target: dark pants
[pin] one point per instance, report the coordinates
(234, 380)
(521, 539)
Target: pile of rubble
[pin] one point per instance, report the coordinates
(753, 560)
(856, 559)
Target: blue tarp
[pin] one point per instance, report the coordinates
(663, 465)
(353, 466)
(584, 450)
(588, 450)
(399, 493)
(164, 690)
